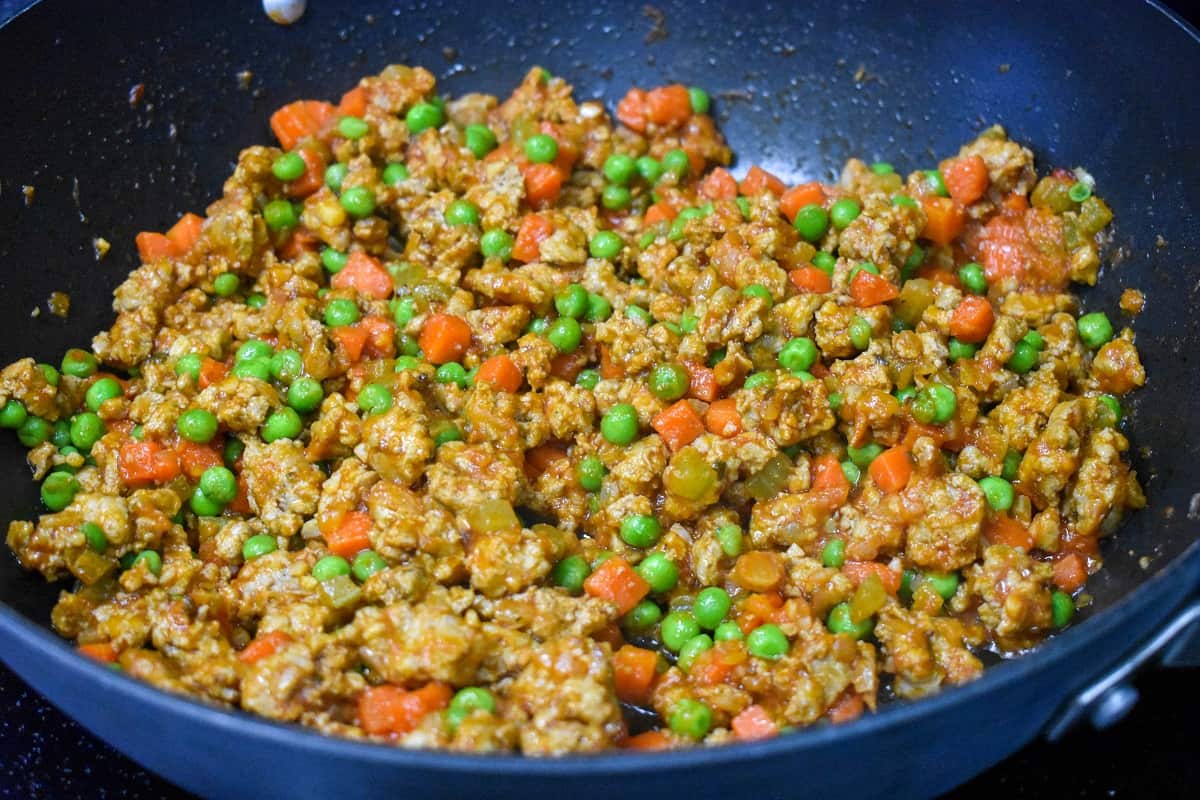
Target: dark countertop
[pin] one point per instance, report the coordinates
(43, 754)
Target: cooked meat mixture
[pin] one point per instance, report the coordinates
(497, 425)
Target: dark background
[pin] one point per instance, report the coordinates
(1152, 752)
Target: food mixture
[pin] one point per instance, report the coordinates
(505, 426)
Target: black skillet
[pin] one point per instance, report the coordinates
(797, 88)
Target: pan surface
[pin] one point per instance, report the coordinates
(797, 88)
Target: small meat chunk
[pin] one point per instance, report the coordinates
(946, 536)
(283, 487)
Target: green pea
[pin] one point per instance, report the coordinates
(60, 437)
(203, 505)
(1063, 608)
(403, 311)
(151, 559)
(462, 212)
(860, 333)
(570, 573)
(944, 583)
(449, 433)
(959, 350)
(93, 534)
(219, 485)
(935, 404)
(471, 699)
(916, 257)
(480, 139)
(729, 537)
(451, 372)
(759, 291)
(882, 168)
(353, 127)
(330, 567)
(572, 301)
(711, 606)
(286, 365)
(903, 200)
(698, 99)
(649, 169)
(259, 368)
(998, 491)
(676, 162)
(640, 530)
(280, 215)
(862, 266)
(395, 173)
(767, 641)
(728, 632)
(358, 201)
(824, 262)
(1023, 359)
(811, 222)
(366, 564)
(798, 355)
(58, 490)
(50, 373)
(659, 571)
(619, 168)
(758, 379)
(333, 260)
(305, 394)
(843, 212)
(619, 425)
(496, 243)
(256, 300)
(234, 447)
(863, 456)
(541, 148)
(423, 116)
(1110, 408)
(690, 718)
(591, 472)
(335, 173)
(852, 472)
(78, 364)
(615, 197)
(565, 334)
(257, 546)
(407, 345)
(374, 398)
(1079, 192)
(692, 649)
(197, 425)
(973, 278)
(599, 309)
(840, 621)
(677, 628)
(833, 554)
(1095, 330)
(283, 423)
(289, 167)
(341, 312)
(588, 379)
(639, 314)
(935, 182)
(86, 430)
(34, 431)
(669, 382)
(642, 617)
(1012, 464)
(101, 392)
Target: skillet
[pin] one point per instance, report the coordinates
(797, 88)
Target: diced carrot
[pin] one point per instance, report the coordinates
(972, 319)
(869, 289)
(758, 571)
(146, 462)
(966, 179)
(617, 582)
(944, 219)
(1003, 529)
(939, 274)
(659, 212)
(609, 369)
(533, 231)
(819, 370)
(185, 232)
(351, 535)
(714, 666)
(501, 372)
(152, 246)
(634, 671)
(567, 366)
(668, 105)
(811, 280)
(99, 651)
(212, 371)
(829, 479)
(723, 419)
(538, 459)
(313, 177)
(758, 180)
(1070, 572)
(848, 707)
(891, 469)
(648, 740)
(696, 161)
(353, 103)
(445, 338)
(753, 723)
(351, 340)
(702, 382)
(916, 430)
(678, 424)
(859, 571)
(263, 645)
(381, 336)
(632, 111)
(719, 185)
(800, 196)
(365, 275)
(301, 241)
(241, 503)
(194, 458)
(300, 120)
(390, 710)
(758, 608)
(543, 182)
(1016, 203)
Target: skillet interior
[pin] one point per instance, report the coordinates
(789, 95)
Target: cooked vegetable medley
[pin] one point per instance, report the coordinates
(476, 424)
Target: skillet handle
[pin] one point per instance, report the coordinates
(1111, 696)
